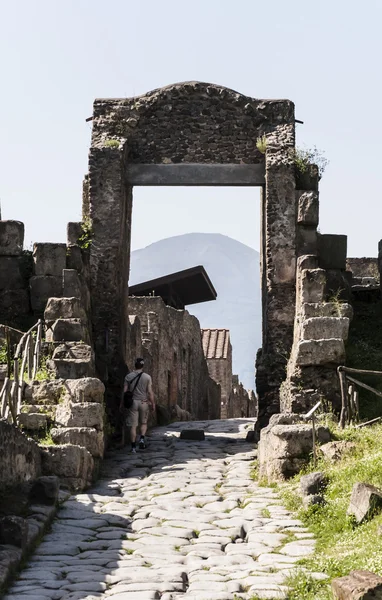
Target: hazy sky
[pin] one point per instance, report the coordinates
(57, 56)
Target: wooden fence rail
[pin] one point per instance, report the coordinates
(26, 361)
(350, 394)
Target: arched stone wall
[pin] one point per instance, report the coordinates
(194, 124)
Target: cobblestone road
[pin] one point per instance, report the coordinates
(179, 520)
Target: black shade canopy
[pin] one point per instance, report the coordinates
(180, 289)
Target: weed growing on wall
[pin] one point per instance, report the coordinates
(111, 144)
(86, 237)
(304, 158)
(261, 144)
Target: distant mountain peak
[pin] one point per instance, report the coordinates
(233, 269)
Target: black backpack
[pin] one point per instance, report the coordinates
(129, 394)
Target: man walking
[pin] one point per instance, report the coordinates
(140, 384)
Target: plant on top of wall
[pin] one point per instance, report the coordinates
(261, 144)
(305, 158)
(86, 236)
(111, 144)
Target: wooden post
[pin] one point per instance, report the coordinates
(351, 403)
(314, 439)
(8, 342)
(30, 356)
(356, 402)
(36, 354)
(21, 378)
(343, 417)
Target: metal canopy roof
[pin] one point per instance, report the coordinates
(180, 289)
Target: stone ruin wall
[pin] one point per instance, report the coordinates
(71, 407)
(171, 338)
(193, 123)
(242, 402)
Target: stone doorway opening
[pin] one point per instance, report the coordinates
(177, 228)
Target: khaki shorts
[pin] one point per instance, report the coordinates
(138, 413)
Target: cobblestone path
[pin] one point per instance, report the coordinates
(179, 520)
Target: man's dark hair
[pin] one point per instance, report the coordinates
(139, 362)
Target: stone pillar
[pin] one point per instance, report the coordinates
(110, 206)
(278, 269)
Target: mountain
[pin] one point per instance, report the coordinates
(234, 271)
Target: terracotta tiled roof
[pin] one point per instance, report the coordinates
(215, 343)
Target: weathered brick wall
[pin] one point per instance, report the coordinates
(172, 346)
(20, 457)
(189, 122)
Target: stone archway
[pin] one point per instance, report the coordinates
(192, 134)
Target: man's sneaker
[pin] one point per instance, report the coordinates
(142, 444)
(133, 450)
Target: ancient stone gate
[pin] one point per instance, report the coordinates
(192, 134)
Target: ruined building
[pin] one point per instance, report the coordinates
(235, 400)
(184, 134)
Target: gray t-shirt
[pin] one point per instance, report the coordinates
(141, 390)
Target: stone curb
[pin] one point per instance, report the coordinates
(11, 557)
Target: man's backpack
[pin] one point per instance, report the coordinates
(129, 394)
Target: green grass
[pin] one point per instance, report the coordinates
(364, 351)
(341, 544)
(111, 144)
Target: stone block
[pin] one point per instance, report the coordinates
(45, 490)
(326, 309)
(332, 251)
(365, 501)
(312, 285)
(307, 240)
(43, 287)
(14, 304)
(307, 179)
(11, 238)
(313, 483)
(359, 585)
(307, 261)
(285, 446)
(312, 499)
(192, 434)
(308, 208)
(64, 308)
(11, 274)
(44, 392)
(74, 465)
(72, 284)
(14, 531)
(88, 414)
(319, 328)
(163, 414)
(49, 259)
(85, 437)
(32, 421)
(74, 258)
(85, 390)
(334, 451)
(73, 360)
(74, 232)
(320, 352)
(67, 330)
(251, 436)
